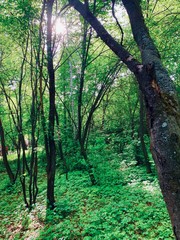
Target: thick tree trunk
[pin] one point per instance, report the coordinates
(163, 113)
(164, 124)
(141, 134)
(162, 105)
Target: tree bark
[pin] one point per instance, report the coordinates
(51, 164)
(141, 134)
(163, 113)
(162, 106)
(4, 155)
(33, 189)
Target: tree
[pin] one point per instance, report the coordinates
(87, 85)
(162, 106)
(19, 81)
(51, 160)
(141, 134)
(4, 154)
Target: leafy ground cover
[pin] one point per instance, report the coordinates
(130, 208)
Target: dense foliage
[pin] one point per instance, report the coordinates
(75, 150)
(126, 203)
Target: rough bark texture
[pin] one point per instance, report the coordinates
(163, 112)
(162, 105)
(141, 134)
(163, 115)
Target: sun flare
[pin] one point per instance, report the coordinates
(59, 27)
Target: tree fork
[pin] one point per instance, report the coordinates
(161, 100)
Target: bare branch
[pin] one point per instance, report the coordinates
(117, 22)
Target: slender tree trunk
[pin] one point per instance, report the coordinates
(105, 103)
(89, 165)
(85, 49)
(51, 164)
(4, 155)
(81, 135)
(72, 99)
(21, 141)
(65, 168)
(43, 118)
(40, 62)
(33, 189)
(161, 100)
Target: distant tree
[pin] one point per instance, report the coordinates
(86, 87)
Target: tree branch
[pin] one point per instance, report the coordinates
(117, 22)
(120, 51)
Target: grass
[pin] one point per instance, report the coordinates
(126, 204)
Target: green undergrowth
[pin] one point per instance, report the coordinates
(134, 210)
(128, 205)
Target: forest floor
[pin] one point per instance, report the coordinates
(126, 204)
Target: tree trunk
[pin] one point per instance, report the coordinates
(51, 164)
(4, 155)
(161, 100)
(33, 189)
(65, 168)
(163, 113)
(164, 124)
(141, 134)
(89, 164)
